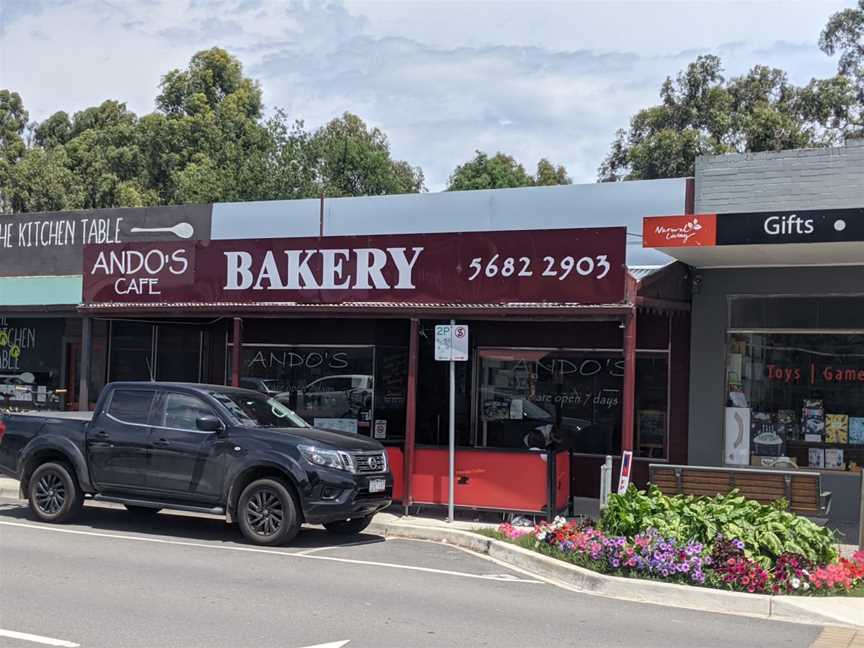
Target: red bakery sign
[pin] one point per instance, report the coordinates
(571, 266)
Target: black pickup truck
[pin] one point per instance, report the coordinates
(204, 448)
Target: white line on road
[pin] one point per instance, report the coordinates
(332, 644)
(287, 554)
(48, 641)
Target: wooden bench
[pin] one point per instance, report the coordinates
(801, 489)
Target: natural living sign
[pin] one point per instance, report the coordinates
(583, 266)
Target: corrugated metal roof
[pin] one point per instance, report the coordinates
(641, 272)
(378, 305)
(379, 309)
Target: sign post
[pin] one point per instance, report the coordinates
(624, 479)
(451, 345)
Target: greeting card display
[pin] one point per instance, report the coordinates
(789, 424)
(856, 429)
(834, 459)
(836, 428)
(765, 440)
(816, 457)
(813, 418)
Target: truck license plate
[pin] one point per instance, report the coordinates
(377, 485)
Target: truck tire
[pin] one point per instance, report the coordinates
(142, 511)
(54, 493)
(349, 527)
(267, 513)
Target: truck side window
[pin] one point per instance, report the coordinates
(131, 405)
(181, 411)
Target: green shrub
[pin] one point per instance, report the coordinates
(767, 531)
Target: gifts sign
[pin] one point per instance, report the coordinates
(580, 266)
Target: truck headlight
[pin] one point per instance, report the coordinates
(326, 458)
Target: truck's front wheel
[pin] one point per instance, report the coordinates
(54, 493)
(267, 513)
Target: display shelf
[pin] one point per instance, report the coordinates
(855, 447)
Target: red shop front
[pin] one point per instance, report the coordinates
(572, 355)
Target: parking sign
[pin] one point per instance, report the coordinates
(451, 342)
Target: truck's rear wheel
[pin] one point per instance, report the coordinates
(267, 513)
(349, 527)
(54, 494)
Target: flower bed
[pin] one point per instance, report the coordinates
(721, 562)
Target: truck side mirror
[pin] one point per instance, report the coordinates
(209, 424)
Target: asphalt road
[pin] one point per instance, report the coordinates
(179, 580)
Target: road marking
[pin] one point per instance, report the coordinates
(332, 644)
(288, 554)
(306, 552)
(48, 641)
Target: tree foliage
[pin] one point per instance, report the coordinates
(208, 141)
(502, 171)
(703, 113)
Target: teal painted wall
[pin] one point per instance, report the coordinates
(40, 291)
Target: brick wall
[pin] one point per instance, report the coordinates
(799, 179)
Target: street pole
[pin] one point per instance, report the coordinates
(861, 515)
(452, 472)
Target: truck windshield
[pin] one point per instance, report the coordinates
(258, 410)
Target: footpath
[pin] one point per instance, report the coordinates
(834, 610)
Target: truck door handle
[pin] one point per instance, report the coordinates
(102, 434)
(161, 442)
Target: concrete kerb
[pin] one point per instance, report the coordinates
(824, 611)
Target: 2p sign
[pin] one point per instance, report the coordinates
(451, 342)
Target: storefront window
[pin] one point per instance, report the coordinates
(526, 396)
(330, 387)
(131, 351)
(795, 399)
(31, 356)
(391, 391)
(652, 396)
(165, 351)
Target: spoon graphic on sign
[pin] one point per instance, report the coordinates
(181, 230)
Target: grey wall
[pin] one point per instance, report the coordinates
(826, 178)
(708, 354)
(610, 204)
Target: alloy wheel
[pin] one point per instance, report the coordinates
(50, 493)
(264, 512)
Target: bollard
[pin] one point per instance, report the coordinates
(605, 482)
(861, 514)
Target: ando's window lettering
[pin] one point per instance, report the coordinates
(330, 387)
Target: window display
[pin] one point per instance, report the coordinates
(30, 363)
(799, 396)
(330, 387)
(526, 397)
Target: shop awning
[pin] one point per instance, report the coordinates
(831, 237)
(376, 309)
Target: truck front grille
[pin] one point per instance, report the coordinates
(373, 462)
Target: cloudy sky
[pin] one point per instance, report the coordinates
(441, 78)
